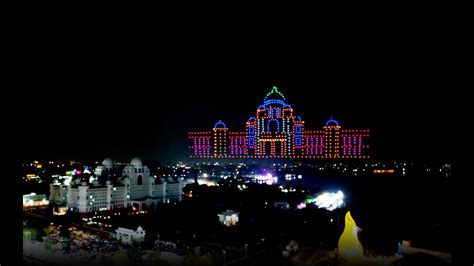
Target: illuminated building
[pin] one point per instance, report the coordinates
(275, 132)
(34, 200)
(383, 171)
(128, 235)
(229, 218)
(268, 179)
(135, 187)
(60, 211)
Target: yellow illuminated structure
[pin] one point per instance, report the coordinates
(33, 200)
(349, 246)
(383, 171)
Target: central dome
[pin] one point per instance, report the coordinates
(136, 162)
(274, 94)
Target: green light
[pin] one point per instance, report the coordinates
(275, 90)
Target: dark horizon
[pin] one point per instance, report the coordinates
(122, 109)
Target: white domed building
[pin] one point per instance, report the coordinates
(106, 167)
(140, 180)
(135, 187)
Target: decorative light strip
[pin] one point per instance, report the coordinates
(288, 140)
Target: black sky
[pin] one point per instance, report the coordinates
(124, 101)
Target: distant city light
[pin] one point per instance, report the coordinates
(388, 171)
(330, 201)
(206, 182)
(74, 172)
(301, 205)
(268, 179)
(327, 200)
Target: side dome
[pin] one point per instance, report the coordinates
(220, 124)
(108, 163)
(332, 121)
(136, 162)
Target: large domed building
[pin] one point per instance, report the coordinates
(135, 186)
(276, 132)
(105, 168)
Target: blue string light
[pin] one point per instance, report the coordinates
(220, 123)
(275, 101)
(332, 121)
(298, 135)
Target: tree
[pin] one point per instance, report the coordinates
(120, 258)
(155, 260)
(29, 233)
(64, 232)
(194, 260)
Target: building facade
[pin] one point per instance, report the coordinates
(276, 132)
(135, 186)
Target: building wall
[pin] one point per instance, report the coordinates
(58, 193)
(159, 190)
(174, 191)
(140, 182)
(119, 197)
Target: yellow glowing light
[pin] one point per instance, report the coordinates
(349, 246)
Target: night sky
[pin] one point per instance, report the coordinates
(90, 105)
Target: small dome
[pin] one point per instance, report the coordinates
(108, 163)
(331, 120)
(136, 162)
(220, 124)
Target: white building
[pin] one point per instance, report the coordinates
(229, 218)
(128, 235)
(135, 187)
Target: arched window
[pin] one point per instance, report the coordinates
(273, 125)
(139, 180)
(251, 130)
(298, 135)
